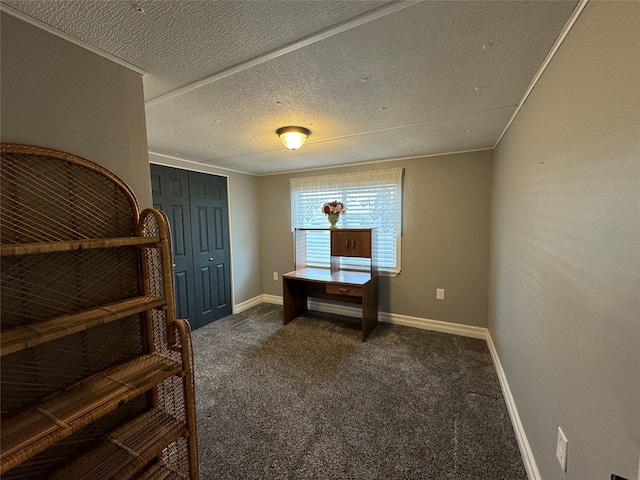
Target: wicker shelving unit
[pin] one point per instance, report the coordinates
(97, 373)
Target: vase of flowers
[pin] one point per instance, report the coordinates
(333, 210)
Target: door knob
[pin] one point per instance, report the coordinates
(211, 259)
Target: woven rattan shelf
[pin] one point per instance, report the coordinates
(160, 472)
(128, 449)
(66, 246)
(97, 373)
(65, 413)
(26, 336)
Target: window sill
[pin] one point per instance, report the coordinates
(388, 273)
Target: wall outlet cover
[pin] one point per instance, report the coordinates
(561, 449)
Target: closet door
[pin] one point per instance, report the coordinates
(170, 190)
(210, 234)
(197, 207)
(209, 231)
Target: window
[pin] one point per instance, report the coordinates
(372, 199)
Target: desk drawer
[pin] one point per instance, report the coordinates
(350, 290)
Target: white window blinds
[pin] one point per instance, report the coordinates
(372, 199)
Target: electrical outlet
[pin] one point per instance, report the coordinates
(561, 449)
(275, 275)
(440, 293)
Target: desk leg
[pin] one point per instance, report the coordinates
(369, 308)
(294, 298)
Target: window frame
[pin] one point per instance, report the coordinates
(307, 212)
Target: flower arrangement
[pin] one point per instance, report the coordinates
(333, 207)
(333, 210)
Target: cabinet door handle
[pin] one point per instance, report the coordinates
(353, 244)
(346, 244)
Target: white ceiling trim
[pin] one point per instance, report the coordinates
(409, 125)
(565, 31)
(48, 28)
(358, 134)
(199, 165)
(349, 24)
(386, 160)
(199, 170)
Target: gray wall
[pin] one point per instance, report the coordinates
(58, 95)
(445, 243)
(55, 94)
(565, 247)
(244, 221)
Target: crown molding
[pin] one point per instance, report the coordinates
(54, 31)
(565, 31)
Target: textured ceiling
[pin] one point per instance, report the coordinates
(372, 80)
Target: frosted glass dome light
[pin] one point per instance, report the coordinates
(293, 137)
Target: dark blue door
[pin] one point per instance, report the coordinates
(196, 204)
(210, 237)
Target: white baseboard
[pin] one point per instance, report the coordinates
(529, 460)
(349, 311)
(438, 326)
(275, 299)
(335, 308)
(252, 302)
(396, 319)
(434, 325)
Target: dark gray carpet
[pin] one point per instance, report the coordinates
(310, 400)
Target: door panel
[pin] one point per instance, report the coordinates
(177, 184)
(222, 285)
(209, 206)
(203, 229)
(196, 204)
(170, 190)
(340, 243)
(205, 282)
(218, 221)
(345, 243)
(182, 294)
(156, 185)
(176, 218)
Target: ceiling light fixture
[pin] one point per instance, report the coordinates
(293, 137)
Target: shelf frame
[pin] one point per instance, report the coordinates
(129, 448)
(55, 205)
(17, 249)
(30, 335)
(37, 428)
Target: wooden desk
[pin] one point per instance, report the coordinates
(343, 286)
